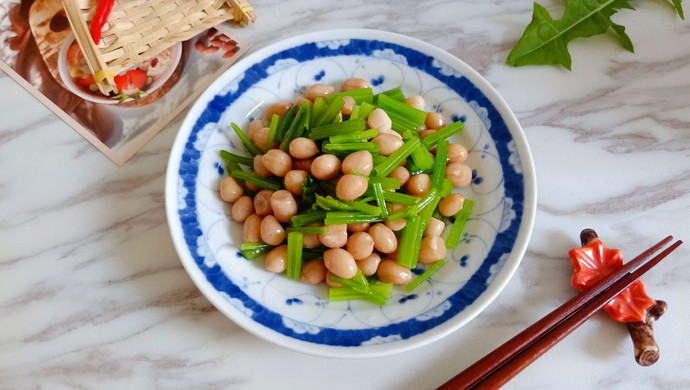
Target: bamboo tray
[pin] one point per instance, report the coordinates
(137, 30)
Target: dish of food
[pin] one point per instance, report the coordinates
(374, 177)
(299, 315)
(133, 83)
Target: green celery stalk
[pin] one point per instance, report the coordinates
(350, 146)
(272, 129)
(361, 288)
(400, 198)
(293, 268)
(347, 217)
(308, 217)
(331, 112)
(395, 93)
(270, 184)
(446, 188)
(355, 112)
(353, 137)
(422, 158)
(347, 294)
(285, 122)
(251, 148)
(360, 95)
(308, 193)
(297, 127)
(252, 250)
(380, 200)
(440, 165)
(235, 158)
(334, 129)
(403, 117)
(461, 218)
(316, 110)
(427, 273)
(392, 161)
(444, 133)
(407, 256)
(365, 109)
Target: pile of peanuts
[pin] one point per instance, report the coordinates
(371, 248)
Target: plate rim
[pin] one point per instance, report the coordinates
(478, 306)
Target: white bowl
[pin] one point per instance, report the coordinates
(97, 97)
(297, 315)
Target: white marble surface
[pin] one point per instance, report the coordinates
(93, 295)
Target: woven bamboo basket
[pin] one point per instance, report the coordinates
(138, 30)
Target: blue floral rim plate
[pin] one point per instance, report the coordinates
(297, 315)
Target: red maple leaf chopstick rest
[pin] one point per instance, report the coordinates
(633, 306)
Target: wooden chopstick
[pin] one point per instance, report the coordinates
(496, 368)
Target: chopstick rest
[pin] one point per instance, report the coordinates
(633, 306)
(499, 366)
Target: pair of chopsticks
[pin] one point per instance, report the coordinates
(498, 367)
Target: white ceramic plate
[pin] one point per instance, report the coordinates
(297, 315)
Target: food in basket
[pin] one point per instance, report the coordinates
(131, 83)
(351, 189)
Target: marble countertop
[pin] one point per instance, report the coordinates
(93, 294)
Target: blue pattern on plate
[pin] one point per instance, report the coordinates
(455, 303)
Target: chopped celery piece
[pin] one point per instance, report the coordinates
(251, 148)
(270, 184)
(350, 146)
(293, 269)
(403, 117)
(362, 288)
(396, 93)
(446, 188)
(422, 158)
(272, 129)
(444, 133)
(355, 112)
(331, 204)
(461, 217)
(232, 166)
(252, 250)
(429, 198)
(309, 229)
(360, 95)
(347, 294)
(392, 161)
(365, 109)
(297, 127)
(303, 219)
(386, 182)
(411, 233)
(331, 112)
(238, 159)
(308, 193)
(285, 122)
(316, 110)
(332, 129)
(346, 217)
(380, 200)
(397, 197)
(440, 165)
(427, 273)
(353, 137)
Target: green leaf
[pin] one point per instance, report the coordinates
(679, 8)
(545, 40)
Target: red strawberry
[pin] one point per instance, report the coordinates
(129, 84)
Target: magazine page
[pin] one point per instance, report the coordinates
(39, 51)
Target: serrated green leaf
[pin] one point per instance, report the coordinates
(545, 40)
